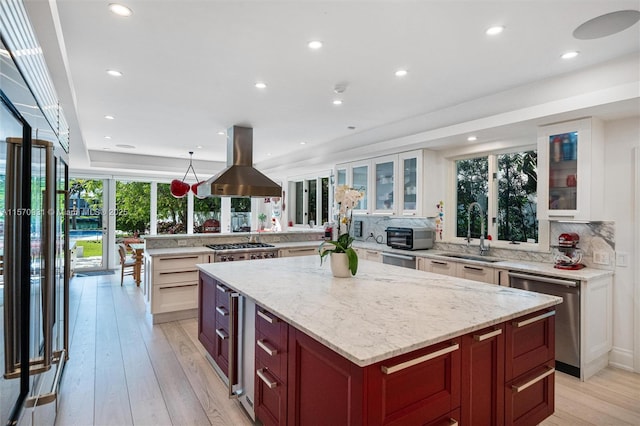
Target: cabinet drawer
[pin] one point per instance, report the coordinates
(416, 388)
(222, 296)
(302, 251)
(176, 262)
(169, 277)
(449, 419)
(174, 297)
(271, 327)
(476, 273)
(529, 342)
(529, 398)
(270, 397)
(272, 355)
(440, 267)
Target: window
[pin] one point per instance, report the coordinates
(309, 201)
(241, 214)
(510, 199)
(206, 215)
(133, 214)
(172, 212)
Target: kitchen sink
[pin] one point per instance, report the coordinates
(470, 257)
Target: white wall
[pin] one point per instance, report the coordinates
(621, 137)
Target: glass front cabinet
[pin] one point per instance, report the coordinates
(392, 183)
(571, 166)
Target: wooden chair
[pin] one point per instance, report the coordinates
(126, 265)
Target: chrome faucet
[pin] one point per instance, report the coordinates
(483, 248)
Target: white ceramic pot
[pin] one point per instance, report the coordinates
(340, 265)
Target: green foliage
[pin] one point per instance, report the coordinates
(133, 201)
(262, 217)
(342, 245)
(517, 191)
(473, 185)
(172, 211)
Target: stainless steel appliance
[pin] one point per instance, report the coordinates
(243, 251)
(410, 238)
(34, 271)
(404, 260)
(567, 315)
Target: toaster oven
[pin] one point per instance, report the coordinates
(410, 238)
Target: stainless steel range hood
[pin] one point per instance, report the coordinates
(240, 178)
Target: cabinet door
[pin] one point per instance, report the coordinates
(360, 181)
(529, 342)
(321, 384)
(270, 397)
(530, 398)
(570, 180)
(482, 399)
(207, 312)
(416, 388)
(477, 273)
(384, 189)
(410, 183)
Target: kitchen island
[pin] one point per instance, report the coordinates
(389, 345)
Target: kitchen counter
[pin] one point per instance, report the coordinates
(382, 312)
(512, 265)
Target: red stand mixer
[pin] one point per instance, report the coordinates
(567, 254)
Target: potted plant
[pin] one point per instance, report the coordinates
(262, 218)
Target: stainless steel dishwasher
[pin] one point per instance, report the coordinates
(404, 260)
(567, 315)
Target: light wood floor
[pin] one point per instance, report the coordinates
(123, 370)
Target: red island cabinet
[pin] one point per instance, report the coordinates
(215, 320)
(496, 376)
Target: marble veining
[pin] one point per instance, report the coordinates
(199, 240)
(382, 312)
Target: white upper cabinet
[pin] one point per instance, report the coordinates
(571, 170)
(393, 184)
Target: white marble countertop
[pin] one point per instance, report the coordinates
(177, 251)
(382, 312)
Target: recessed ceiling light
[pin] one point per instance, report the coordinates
(337, 102)
(570, 55)
(495, 30)
(303, 143)
(199, 146)
(315, 44)
(124, 146)
(221, 132)
(120, 10)
(401, 73)
(268, 154)
(114, 73)
(109, 117)
(107, 137)
(260, 85)
(472, 138)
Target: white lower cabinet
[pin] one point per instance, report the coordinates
(476, 273)
(173, 290)
(485, 274)
(368, 254)
(443, 267)
(298, 251)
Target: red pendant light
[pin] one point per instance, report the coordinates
(179, 188)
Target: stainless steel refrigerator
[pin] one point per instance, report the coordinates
(34, 272)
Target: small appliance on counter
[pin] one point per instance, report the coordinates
(410, 238)
(567, 254)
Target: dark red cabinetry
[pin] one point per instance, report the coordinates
(483, 377)
(215, 309)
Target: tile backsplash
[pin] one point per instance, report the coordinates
(378, 224)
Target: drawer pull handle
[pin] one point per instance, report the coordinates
(419, 360)
(267, 349)
(162, 259)
(270, 383)
(177, 286)
(489, 335)
(302, 250)
(222, 288)
(263, 345)
(473, 268)
(437, 262)
(267, 318)
(518, 324)
(221, 333)
(179, 272)
(522, 387)
(453, 422)
(222, 311)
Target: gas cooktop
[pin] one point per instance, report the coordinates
(239, 246)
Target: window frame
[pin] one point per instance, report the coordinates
(492, 195)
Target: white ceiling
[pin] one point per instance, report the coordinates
(190, 67)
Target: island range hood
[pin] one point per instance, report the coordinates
(240, 178)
